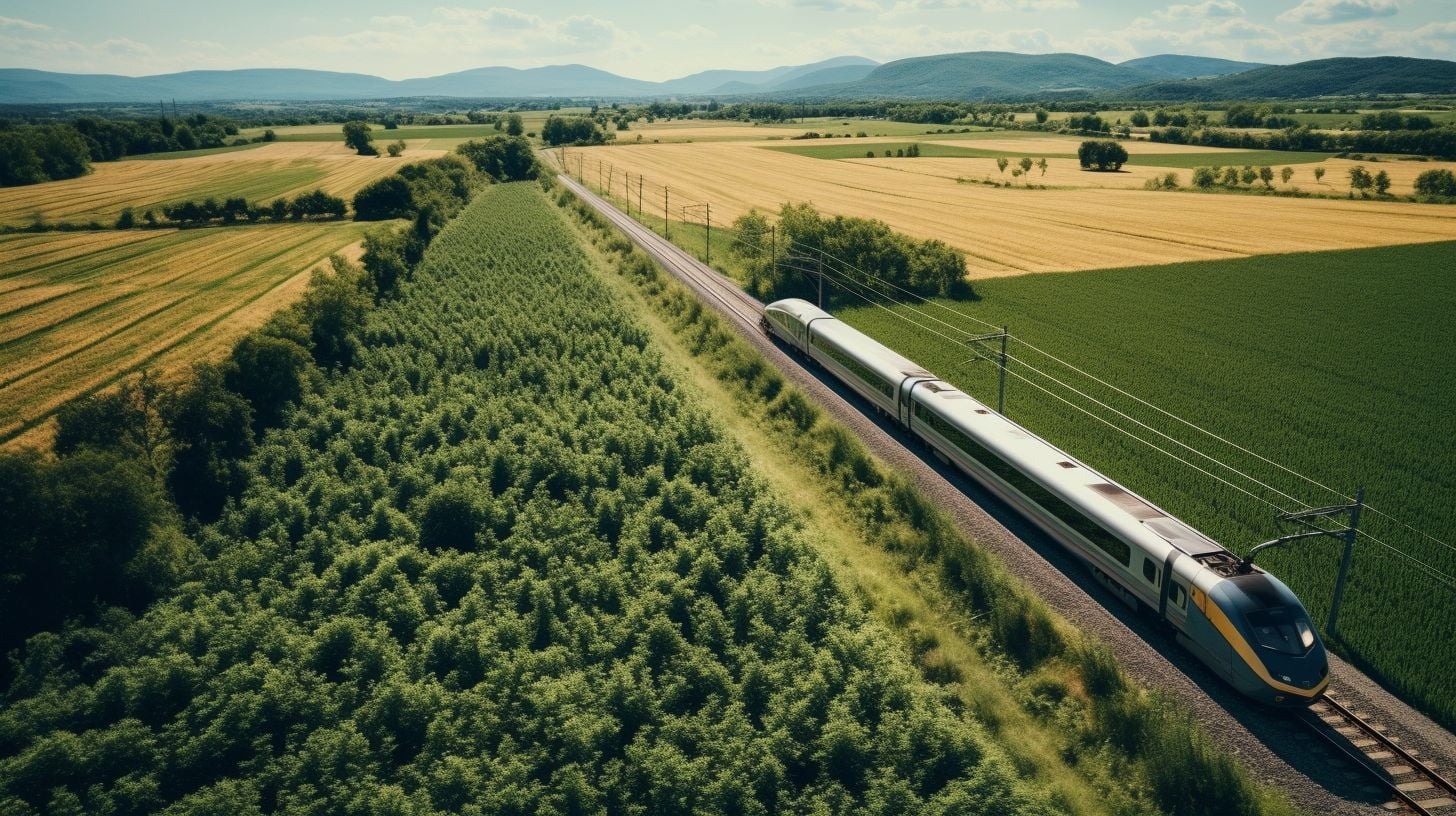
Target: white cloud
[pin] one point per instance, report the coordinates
(16, 22)
(1208, 8)
(691, 33)
(1338, 11)
(986, 6)
(839, 5)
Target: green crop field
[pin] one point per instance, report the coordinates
(1255, 158)
(505, 562)
(1335, 364)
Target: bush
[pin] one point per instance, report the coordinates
(126, 220)
(383, 199)
(1102, 156)
(1440, 183)
(503, 158)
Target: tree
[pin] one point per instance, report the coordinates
(1041, 116)
(1139, 118)
(395, 148)
(357, 137)
(1436, 183)
(1382, 183)
(1230, 176)
(515, 126)
(1025, 164)
(1204, 177)
(270, 372)
(211, 430)
(1360, 179)
(1285, 174)
(389, 197)
(1102, 156)
(1248, 175)
(126, 220)
(503, 158)
(1266, 175)
(1001, 163)
(1041, 164)
(1319, 173)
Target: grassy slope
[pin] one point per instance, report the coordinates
(1328, 362)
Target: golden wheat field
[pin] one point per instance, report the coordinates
(1018, 230)
(80, 311)
(263, 173)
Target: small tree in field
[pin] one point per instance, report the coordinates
(1230, 176)
(1319, 173)
(1204, 177)
(1285, 174)
(1041, 164)
(358, 138)
(1102, 156)
(1266, 175)
(1016, 172)
(1025, 164)
(1436, 183)
(1360, 179)
(515, 126)
(1248, 175)
(1382, 183)
(395, 148)
(1001, 163)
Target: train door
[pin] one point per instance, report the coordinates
(1173, 603)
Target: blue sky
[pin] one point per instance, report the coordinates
(662, 40)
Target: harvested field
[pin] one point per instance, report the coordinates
(80, 311)
(259, 174)
(1011, 231)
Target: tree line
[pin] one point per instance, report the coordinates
(786, 261)
(1438, 142)
(441, 186)
(30, 154)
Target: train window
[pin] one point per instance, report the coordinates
(855, 367)
(1178, 596)
(1150, 571)
(1282, 629)
(1089, 529)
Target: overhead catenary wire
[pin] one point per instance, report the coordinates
(839, 270)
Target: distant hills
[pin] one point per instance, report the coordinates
(969, 76)
(1341, 76)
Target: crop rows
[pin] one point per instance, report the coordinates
(1330, 363)
(1010, 231)
(503, 564)
(78, 311)
(257, 175)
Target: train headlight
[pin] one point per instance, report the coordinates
(1306, 634)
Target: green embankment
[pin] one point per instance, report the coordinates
(1335, 364)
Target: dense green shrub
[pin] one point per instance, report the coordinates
(1101, 155)
(503, 158)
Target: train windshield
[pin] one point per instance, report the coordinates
(1283, 629)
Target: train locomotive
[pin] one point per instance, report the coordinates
(1239, 620)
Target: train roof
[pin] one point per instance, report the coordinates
(801, 310)
(1072, 480)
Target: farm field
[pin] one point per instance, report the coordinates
(263, 173)
(1327, 385)
(79, 311)
(1013, 231)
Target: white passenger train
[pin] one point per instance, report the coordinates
(1245, 624)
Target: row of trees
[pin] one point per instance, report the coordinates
(441, 186)
(575, 130)
(30, 154)
(315, 205)
(1438, 142)
(787, 262)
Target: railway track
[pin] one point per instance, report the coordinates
(1414, 784)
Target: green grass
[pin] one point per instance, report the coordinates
(187, 154)
(1327, 362)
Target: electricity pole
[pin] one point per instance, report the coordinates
(1001, 375)
(1347, 535)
